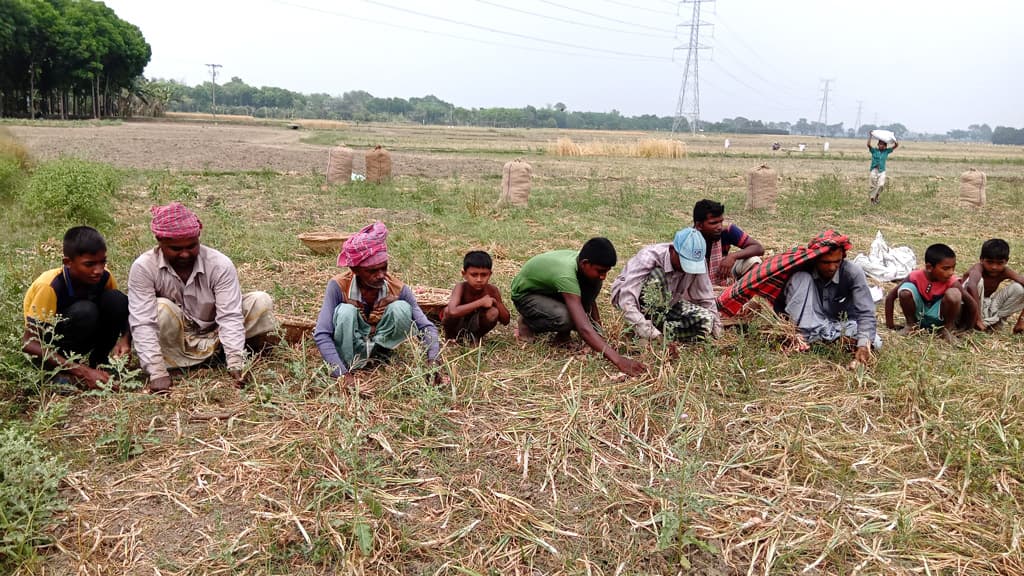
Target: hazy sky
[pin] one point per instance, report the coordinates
(933, 65)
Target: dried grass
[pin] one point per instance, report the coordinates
(737, 457)
(643, 148)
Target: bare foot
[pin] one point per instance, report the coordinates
(523, 333)
(907, 330)
(948, 336)
(562, 339)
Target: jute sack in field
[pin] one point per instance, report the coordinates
(762, 188)
(339, 165)
(972, 187)
(515, 183)
(378, 165)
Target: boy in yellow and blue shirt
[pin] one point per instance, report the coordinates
(77, 310)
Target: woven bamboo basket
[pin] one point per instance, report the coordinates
(324, 242)
(295, 328)
(432, 300)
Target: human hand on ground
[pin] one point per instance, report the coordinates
(238, 377)
(862, 355)
(348, 381)
(160, 385)
(438, 375)
(87, 377)
(630, 367)
(121, 347)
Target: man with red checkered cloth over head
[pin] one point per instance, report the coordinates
(185, 303)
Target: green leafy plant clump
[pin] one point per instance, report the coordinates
(11, 177)
(29, 480)
(73, 190)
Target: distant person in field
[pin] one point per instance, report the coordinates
(997, 302)
(878, 157)
(932, 297)
(557, 292)
(665, 290)
(725, 265)
(185, 303)
(475, 306)
(367, 312)
(77, 310)
(818, 289)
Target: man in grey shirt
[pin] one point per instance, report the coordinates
(830, 300)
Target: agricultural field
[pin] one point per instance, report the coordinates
(734, 457)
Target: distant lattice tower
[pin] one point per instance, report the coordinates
(688, 104)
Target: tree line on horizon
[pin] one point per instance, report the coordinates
(237, 97)
(78, 59)
(68, 59)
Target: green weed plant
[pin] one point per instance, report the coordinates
(29, 480)
(73, 191)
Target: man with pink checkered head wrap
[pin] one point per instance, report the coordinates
(367, 312)
(185, 303)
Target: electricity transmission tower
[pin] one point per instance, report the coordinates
(213, 86)
(688, 104)
(823, 113)
(860, 106)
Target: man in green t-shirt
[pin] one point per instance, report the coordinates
(556, 292)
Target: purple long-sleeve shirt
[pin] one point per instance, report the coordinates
(324, 331)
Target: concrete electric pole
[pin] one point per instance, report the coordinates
(213, 87)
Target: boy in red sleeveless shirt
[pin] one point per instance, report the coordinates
(932, 297)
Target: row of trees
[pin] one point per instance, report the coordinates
(237, 97)
(68, 58)
(1007, 135)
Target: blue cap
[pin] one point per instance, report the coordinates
(692, 248)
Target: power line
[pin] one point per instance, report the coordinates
(460, 37)
(741, 82)
(573, 22)
(636, 7)
(720, 46)
(756, 53)
(513, 34)
(594, 15)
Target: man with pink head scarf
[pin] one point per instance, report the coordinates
(367, 312)
(185, 302)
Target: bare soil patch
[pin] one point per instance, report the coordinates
(225, 147)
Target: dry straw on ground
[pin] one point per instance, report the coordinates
(643, 148)
(730, 458)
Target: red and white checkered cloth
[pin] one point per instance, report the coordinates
(368, 247)
(174, 222)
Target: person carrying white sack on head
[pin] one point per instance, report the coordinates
(878, 157)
